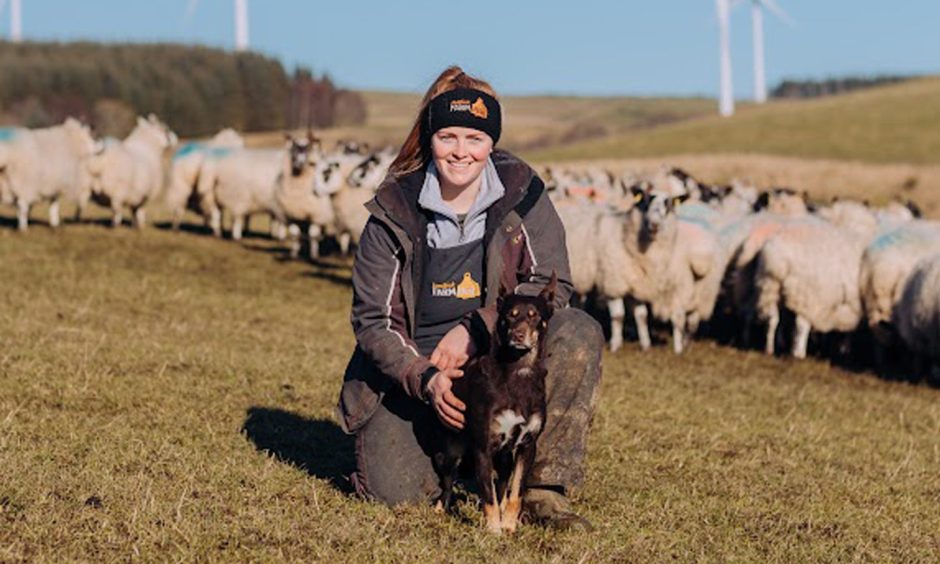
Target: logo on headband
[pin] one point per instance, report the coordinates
(478, 108)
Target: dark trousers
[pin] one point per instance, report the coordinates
(394, 448)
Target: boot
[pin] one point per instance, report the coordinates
(552, 509)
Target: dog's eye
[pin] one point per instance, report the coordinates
(515, 312)
(543, 324)
(531, 314)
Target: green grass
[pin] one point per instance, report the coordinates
(890, 124)
(168, 396)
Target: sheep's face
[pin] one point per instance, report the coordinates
(327, 178)
(658, 209)
(366, 172)
(301, 154)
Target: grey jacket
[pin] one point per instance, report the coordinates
(524, 241)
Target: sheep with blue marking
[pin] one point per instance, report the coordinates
(917, 315)
(43, 165)
(181, 193)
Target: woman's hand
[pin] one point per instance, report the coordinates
(448, 407)
(454, 349)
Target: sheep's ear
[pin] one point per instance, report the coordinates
(915, 209)
(866, 203)
(548, 292)
(677, 200)
(638, 193)
(763, 200)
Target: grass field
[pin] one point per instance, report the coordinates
(168, 396)
(890, 124)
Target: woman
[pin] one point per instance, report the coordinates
(453, 221)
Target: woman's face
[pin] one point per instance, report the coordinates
(460, 154)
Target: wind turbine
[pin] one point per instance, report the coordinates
(16, 20)
(726, 96)
(241, 25)
(241, 21)
(757, 25)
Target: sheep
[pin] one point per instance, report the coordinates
(43, 165)
(184, 176)
(887, 263)
(242, 181)
(917, 315)
(812, 269)
(649, 256)
(581, 220)
(296, 197)
(130, 173)
(332, 179)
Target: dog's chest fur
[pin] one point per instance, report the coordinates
(506, 406)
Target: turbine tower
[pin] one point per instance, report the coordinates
(16, 21)
(726, 95)
(241, 25)
(757, 23)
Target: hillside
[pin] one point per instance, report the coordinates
(891, 124)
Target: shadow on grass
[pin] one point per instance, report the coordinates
(185, 227)
(316, 446)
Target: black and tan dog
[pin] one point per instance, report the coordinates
(504, 391)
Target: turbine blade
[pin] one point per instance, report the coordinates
(190, 11)
(777, 11)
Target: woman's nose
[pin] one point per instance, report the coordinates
(461, 149)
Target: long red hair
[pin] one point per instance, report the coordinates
(415, 152)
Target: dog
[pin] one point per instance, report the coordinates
(504, 391)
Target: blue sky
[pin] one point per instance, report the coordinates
(524, 46)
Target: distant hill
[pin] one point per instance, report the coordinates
(898, 123)
(537, 122)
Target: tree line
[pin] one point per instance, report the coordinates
(790, 88)
(197, 90)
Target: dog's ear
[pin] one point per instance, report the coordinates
(548, 292)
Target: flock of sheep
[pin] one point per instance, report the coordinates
(309, 194)
(687, 252)
(665, 245)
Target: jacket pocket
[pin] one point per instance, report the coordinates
(362, 392)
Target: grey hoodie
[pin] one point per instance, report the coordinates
(444, 230)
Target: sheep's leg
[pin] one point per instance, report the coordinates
(678, 332)
(616, 310)
(344, 241)
(239, 222)
(140, 217)
(177, 219)
(293, 240)
(772, 322)
(314, 234)
(117, 216)
(54, 218)
(215, 221)
(801, 337)
(641, 316)
(22, 214)
(278, 229)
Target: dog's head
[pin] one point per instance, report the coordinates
(524, 319)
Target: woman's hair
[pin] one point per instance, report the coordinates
(415, 152)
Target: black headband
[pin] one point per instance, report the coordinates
(465, 107)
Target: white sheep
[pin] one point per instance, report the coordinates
(43, 165)
(649, 256)
(917, 315)
(810, 267)
(243, 182)
(186, 163)
(887, 264)
(296, 196)
(581, 220)
(130, 173)
(332, 178)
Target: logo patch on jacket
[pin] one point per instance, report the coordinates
(466, 290)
